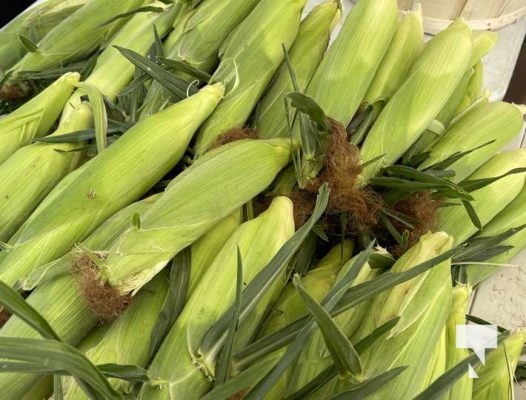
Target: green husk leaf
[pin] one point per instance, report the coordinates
(99, 115)
(16, 305)
(58, 393)
(125, 372)
(342, 351)
(132, 12)
(28, 44)
(186, 68)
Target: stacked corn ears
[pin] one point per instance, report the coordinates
(209, 200)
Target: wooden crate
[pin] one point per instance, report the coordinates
(481, 14)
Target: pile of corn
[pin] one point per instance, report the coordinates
(211, 199)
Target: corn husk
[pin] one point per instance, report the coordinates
(258, 240)
(417, 102)
(36, 117)
(197, 41)
(55, 295)
(33, 23)
(194, 202)
(462, 388)
(403, 51)
(30, 173)
(347, 69)
(422, 304)
(497, 122)
(512, 216)
(77, 36)
(113, 179)
(489, 200)
(249, 58)
(305, 56)
(127, 340)
(495, 378)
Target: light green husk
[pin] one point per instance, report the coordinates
(58, 299)
(349, 66)
(127, 340)
(495, 379)
(113, 179)
(258, 240)
(404, 49)
(489, 200)
(197, 41)
(249, 58)
(429, 85)
(77, 36)
(33, 23)
(496, 121)
(194, 201)
(31, 172)
(36, 117)
(305, 55)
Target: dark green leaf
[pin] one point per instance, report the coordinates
(59, 356)
(132, 373)
(58, 393)
(132, 12)
(175, 299)
(370, 386)
(341, 349)
(28, 44)
(16, 305)
(442, 165)
(307, 105)
(157, 49)
(172, 83)
(185, 68)
(475, 184)
(225, 357)
(481, 321)
(472, 214)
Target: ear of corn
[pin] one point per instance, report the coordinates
(78, 35)
(109, 182)
(417, 102)
(305, 55)
(404, 49)
(59, 301)
(498, 122)
(462, 388)
(126, 341)
(473, 89)
(36, 117)
(422, 305)
(512, 216)
(437, 363)
(30, 173)
(258, 240)
(348, 67)
(33, 23)
(249, 57)
(205, 249)
(483, 42)
(495, 378)
(194, 201)
(489, 200)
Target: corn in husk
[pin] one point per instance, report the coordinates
(437, 364)
(127, 340)
(305, 56)
(36, 117)
(290, 307)
(422, 304)
(57, 298)
(194, 201)
(258, 240)
(33, 23)
(403, 51)
(496, 378)
(197, 41)
(417, 102)
(30, 173)
(249, 58)
(113, 179)
(462, 388)
(77, 36)
(348, 67)
(497, 122)
(489, 200)
(512, 216)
